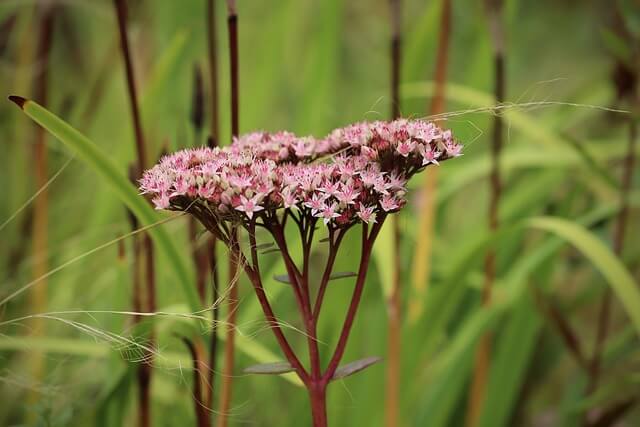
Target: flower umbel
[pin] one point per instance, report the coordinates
(364, 164)
(356, 175)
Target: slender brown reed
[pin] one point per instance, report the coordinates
(213, 142)
(394, 303)
(144, 371)
(483, 352)
(626, 81)
(227, 375)
(201, 411)
(40, 224)
(426, 209)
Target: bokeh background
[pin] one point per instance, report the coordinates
(68, 351)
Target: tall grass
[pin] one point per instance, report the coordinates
(309, 67)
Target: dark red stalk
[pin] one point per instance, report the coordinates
(136, 264)
(144, 371)
(333, 252)
(618, 245)
(367, 247)
(315, 381)
(300, 285)
(392, 399)
(442, 60)
(561, 326)
(121, 11)
(625, 79)
(202, 414)
(253, 272)
(225, 398)
(213, 70)
(40, 232)
(483, 353)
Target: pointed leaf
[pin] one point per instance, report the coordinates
(270, 251)
(275, 368)
(261, 246)
(282, 278)
(356, 366)
(342, 275)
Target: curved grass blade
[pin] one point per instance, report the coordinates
(610, 266)
(88, 152)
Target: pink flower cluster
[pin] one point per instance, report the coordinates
(364, 174)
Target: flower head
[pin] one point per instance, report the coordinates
(356, 173)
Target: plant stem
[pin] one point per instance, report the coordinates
(229, 349)
(483, 352)
(227, 381)
(396, 22)
(318, 399)
(367, 246)
(333, 252)
(422, 255)
(394, 326)
(253, 272)
(38, 295)
(202, 414)
(213, 70)
(618, 245)
(144, 371)
(213, 142)
(121, 11)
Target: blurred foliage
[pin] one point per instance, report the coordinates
(309, 67)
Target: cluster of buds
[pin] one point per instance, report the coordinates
(352, 175)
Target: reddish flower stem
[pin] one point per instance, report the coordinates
(367, 246)
(254, 276)
(315, 381)
(333, 252)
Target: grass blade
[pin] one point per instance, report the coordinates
(610, 266)
(89, 153)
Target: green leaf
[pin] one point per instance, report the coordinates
(510, 362)
(355, 366)
(101, 164)
(452, 368)
(275, 368)
(610, 266)
(282, 278)
(381, 251)
(270, 251)
(262, 246)
(342, 275)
